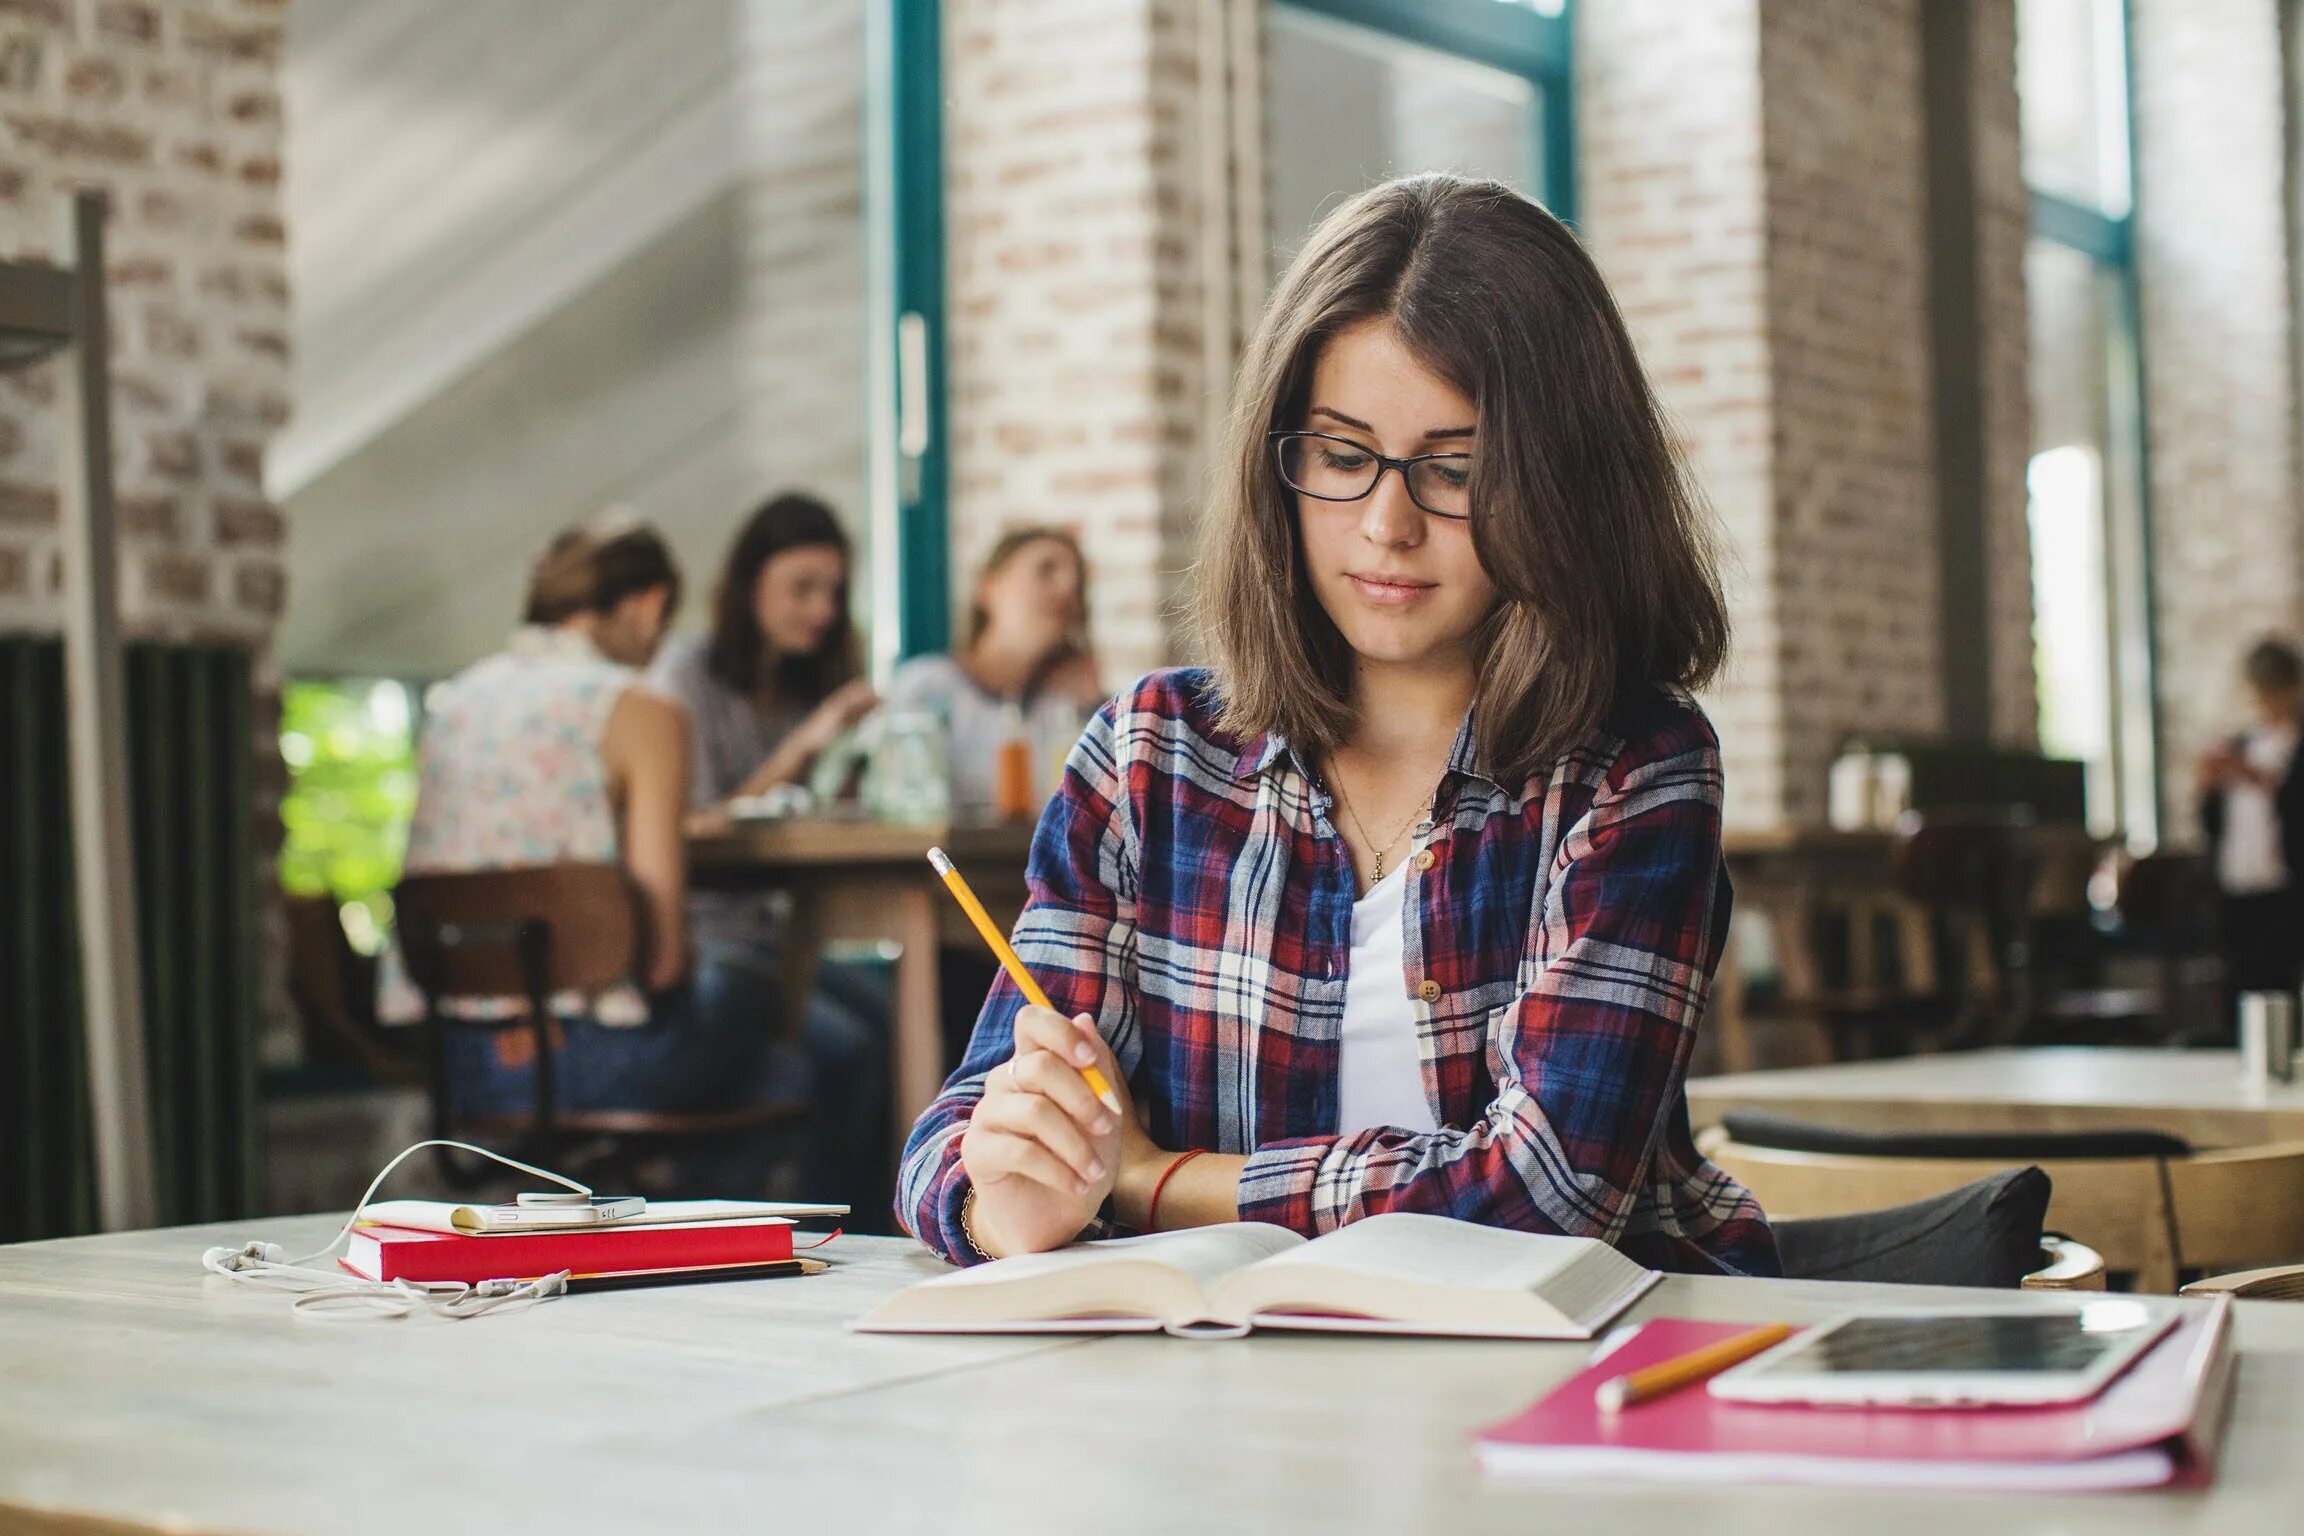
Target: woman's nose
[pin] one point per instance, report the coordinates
(1390, 515)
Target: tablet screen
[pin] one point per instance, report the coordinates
(1947, 1344)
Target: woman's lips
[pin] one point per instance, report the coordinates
(1389, 591)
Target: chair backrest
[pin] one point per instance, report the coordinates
(2239, 1206)
(2117, 1206)
(1755, 1128)
(459, 932)
(1986, 1234)
(327, 983)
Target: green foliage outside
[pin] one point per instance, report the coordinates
(350, 749)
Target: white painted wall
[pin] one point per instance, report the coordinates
(549, 258)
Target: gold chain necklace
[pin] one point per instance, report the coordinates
(1361, 827)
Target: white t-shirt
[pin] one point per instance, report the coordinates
(2248, 859)
(1380, 1070)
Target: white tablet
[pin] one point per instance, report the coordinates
(1953, 1359)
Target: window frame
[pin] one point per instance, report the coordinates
(1501, 34)
(2108, 241)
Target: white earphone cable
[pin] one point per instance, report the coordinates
(325, 1293)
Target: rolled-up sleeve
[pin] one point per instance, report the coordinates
(1588, 1061)
(1077, 937)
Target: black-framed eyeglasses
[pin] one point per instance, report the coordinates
(1329, 468)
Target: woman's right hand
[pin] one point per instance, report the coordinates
(833, 718)
(1040, 1150)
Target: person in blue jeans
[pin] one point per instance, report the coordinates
(774, 680)
(550, 752)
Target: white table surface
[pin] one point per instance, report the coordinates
(138, 1392)
(2198, 1095)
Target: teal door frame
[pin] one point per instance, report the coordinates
(910, 477)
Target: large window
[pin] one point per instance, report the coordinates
(2092, 630)
(1358, 91)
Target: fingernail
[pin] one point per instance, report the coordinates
(1096, 1169)
(1084, 1053)
(1103, 1125)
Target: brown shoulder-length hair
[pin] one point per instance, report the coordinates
(593, 566)
(737, 652)
(1600, 546)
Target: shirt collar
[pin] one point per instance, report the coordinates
(1263, 752)
(535, 640)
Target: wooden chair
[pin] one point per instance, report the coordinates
(2070, 1266)
(533, 934)
(2151, 1217)
(334, 994)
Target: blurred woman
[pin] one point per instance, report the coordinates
(552, 752)
(1026, 649)
(772, 684)
(2252, 809)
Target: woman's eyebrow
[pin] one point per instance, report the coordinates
(1435, 435)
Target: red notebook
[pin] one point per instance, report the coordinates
(2157, 1424)
(403, 1253)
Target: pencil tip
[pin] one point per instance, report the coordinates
(938, 862)
(1610, 1398)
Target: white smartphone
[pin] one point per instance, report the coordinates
(1953, 1359)
(572, 1211)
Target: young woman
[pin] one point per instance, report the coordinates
(1411, 901)
(1026, 646)
(775, 682)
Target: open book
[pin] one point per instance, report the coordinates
(1396, 1273)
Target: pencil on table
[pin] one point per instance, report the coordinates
(1686, 1370)
(1013, 966)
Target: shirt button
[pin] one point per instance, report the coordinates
(1429, 990)
(1425, 859)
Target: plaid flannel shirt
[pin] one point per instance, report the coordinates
(1190, 892)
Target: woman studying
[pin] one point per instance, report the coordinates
(1411, 901)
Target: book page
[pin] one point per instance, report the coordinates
(1434, 1274)
(1439, 1250)
(1207, 1254)
(1160, 1279)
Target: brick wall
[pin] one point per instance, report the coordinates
(1668, 105)
(2212, 258)
(1094, 273)
(1053, 293)
(2003, 230)
(1855, 494)
(172, 109)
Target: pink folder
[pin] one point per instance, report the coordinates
(2156, 1425)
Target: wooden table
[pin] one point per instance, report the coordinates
(867, 881)
(2197, 1095)
(1782, 877)
(143, 1394)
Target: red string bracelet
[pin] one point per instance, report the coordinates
(1152, 1206)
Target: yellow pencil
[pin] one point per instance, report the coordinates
(1686, 1370)
(1009, 963)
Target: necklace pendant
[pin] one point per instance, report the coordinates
(1379, 867)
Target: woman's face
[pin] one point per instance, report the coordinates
(1402, 586)
(1034, 596)
(797, 599)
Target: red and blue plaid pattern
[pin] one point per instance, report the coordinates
(1190, 891)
